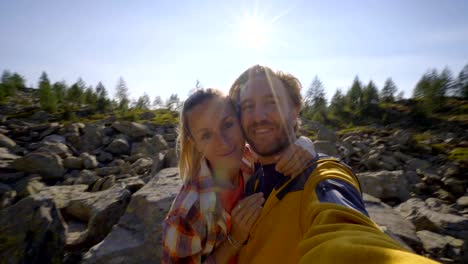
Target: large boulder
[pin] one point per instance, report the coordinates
(28, 186)
(389, 219)
(31, 231)
(93, 137)
(89, 161)
(54, 147)
(150, 146)
(61, 195)
(326, 147)
(6, 158)
(6, 142)
(385, 184)
(119, 146)
(100, 210)
(440, 246)
(48, 165)
(132, 129)
(137, 236)
(424, 218)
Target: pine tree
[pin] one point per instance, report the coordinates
(122, 94)
(47, 98)
(315, 101)
(173, 102)
(337, 104)
(60, 91)
(461, 86)
(388, 91)
(431, 89)
(157, 102)
(143, 102)
(75, 94)
(354, 96)
(90, 97)
(103, 103)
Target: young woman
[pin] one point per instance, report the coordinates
(210, 219)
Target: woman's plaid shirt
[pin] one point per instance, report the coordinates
(196, 223)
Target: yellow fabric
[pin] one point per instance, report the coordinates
(300, 229)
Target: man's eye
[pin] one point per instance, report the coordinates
(271, 102)
(228, 124)
(247, 107)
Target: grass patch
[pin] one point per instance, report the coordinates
(422, 137)
(359, 129)
(459, 154)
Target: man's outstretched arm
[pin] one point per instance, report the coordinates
(336, 226)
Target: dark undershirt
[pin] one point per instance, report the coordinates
(269, 179)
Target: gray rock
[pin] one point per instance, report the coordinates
(137, 236)
(387, 218)
(56, 148)
(171, 159)
(133, 184)
(107, 171)
(61, 195)
(101, 210)
(48, 165)
(455, 186)
(31, 231)
(6, 159)
(325, 147)
(443, 246)
(415, 164)
(54, 139)
(150, 146)
(105, 157)
(119, 146)
(92, 137)
(132, 129)
(11, 177)
(89, 161)
(86, 177)
(439, 206)
(7, 199)
(385, 184)
(28, 186)
(419, 213)
(142, 166)
(462, 202)
(103, 183)
(6, 142)
(73, 163)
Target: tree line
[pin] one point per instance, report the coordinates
(59, 95)
(359, 100)
(362, 100)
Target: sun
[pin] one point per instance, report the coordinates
(254, 31)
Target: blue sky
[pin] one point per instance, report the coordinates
(163, 47)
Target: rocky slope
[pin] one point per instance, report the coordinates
(97, 192)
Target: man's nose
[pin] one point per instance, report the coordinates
(259, 113)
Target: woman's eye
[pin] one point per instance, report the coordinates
(205, 136)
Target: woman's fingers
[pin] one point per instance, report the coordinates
(285, 158)
(245, 203)
(294, 162)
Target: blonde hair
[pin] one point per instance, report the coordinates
(189, 157)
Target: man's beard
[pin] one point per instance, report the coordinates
(280, 143)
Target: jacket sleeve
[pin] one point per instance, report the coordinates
(181, 243)
(336, 227)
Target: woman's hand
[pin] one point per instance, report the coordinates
(244, 215)
(295, 159)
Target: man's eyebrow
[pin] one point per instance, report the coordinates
(245, 101)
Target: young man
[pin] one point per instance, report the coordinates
(318, 217)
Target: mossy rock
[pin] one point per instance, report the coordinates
(459, 154)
